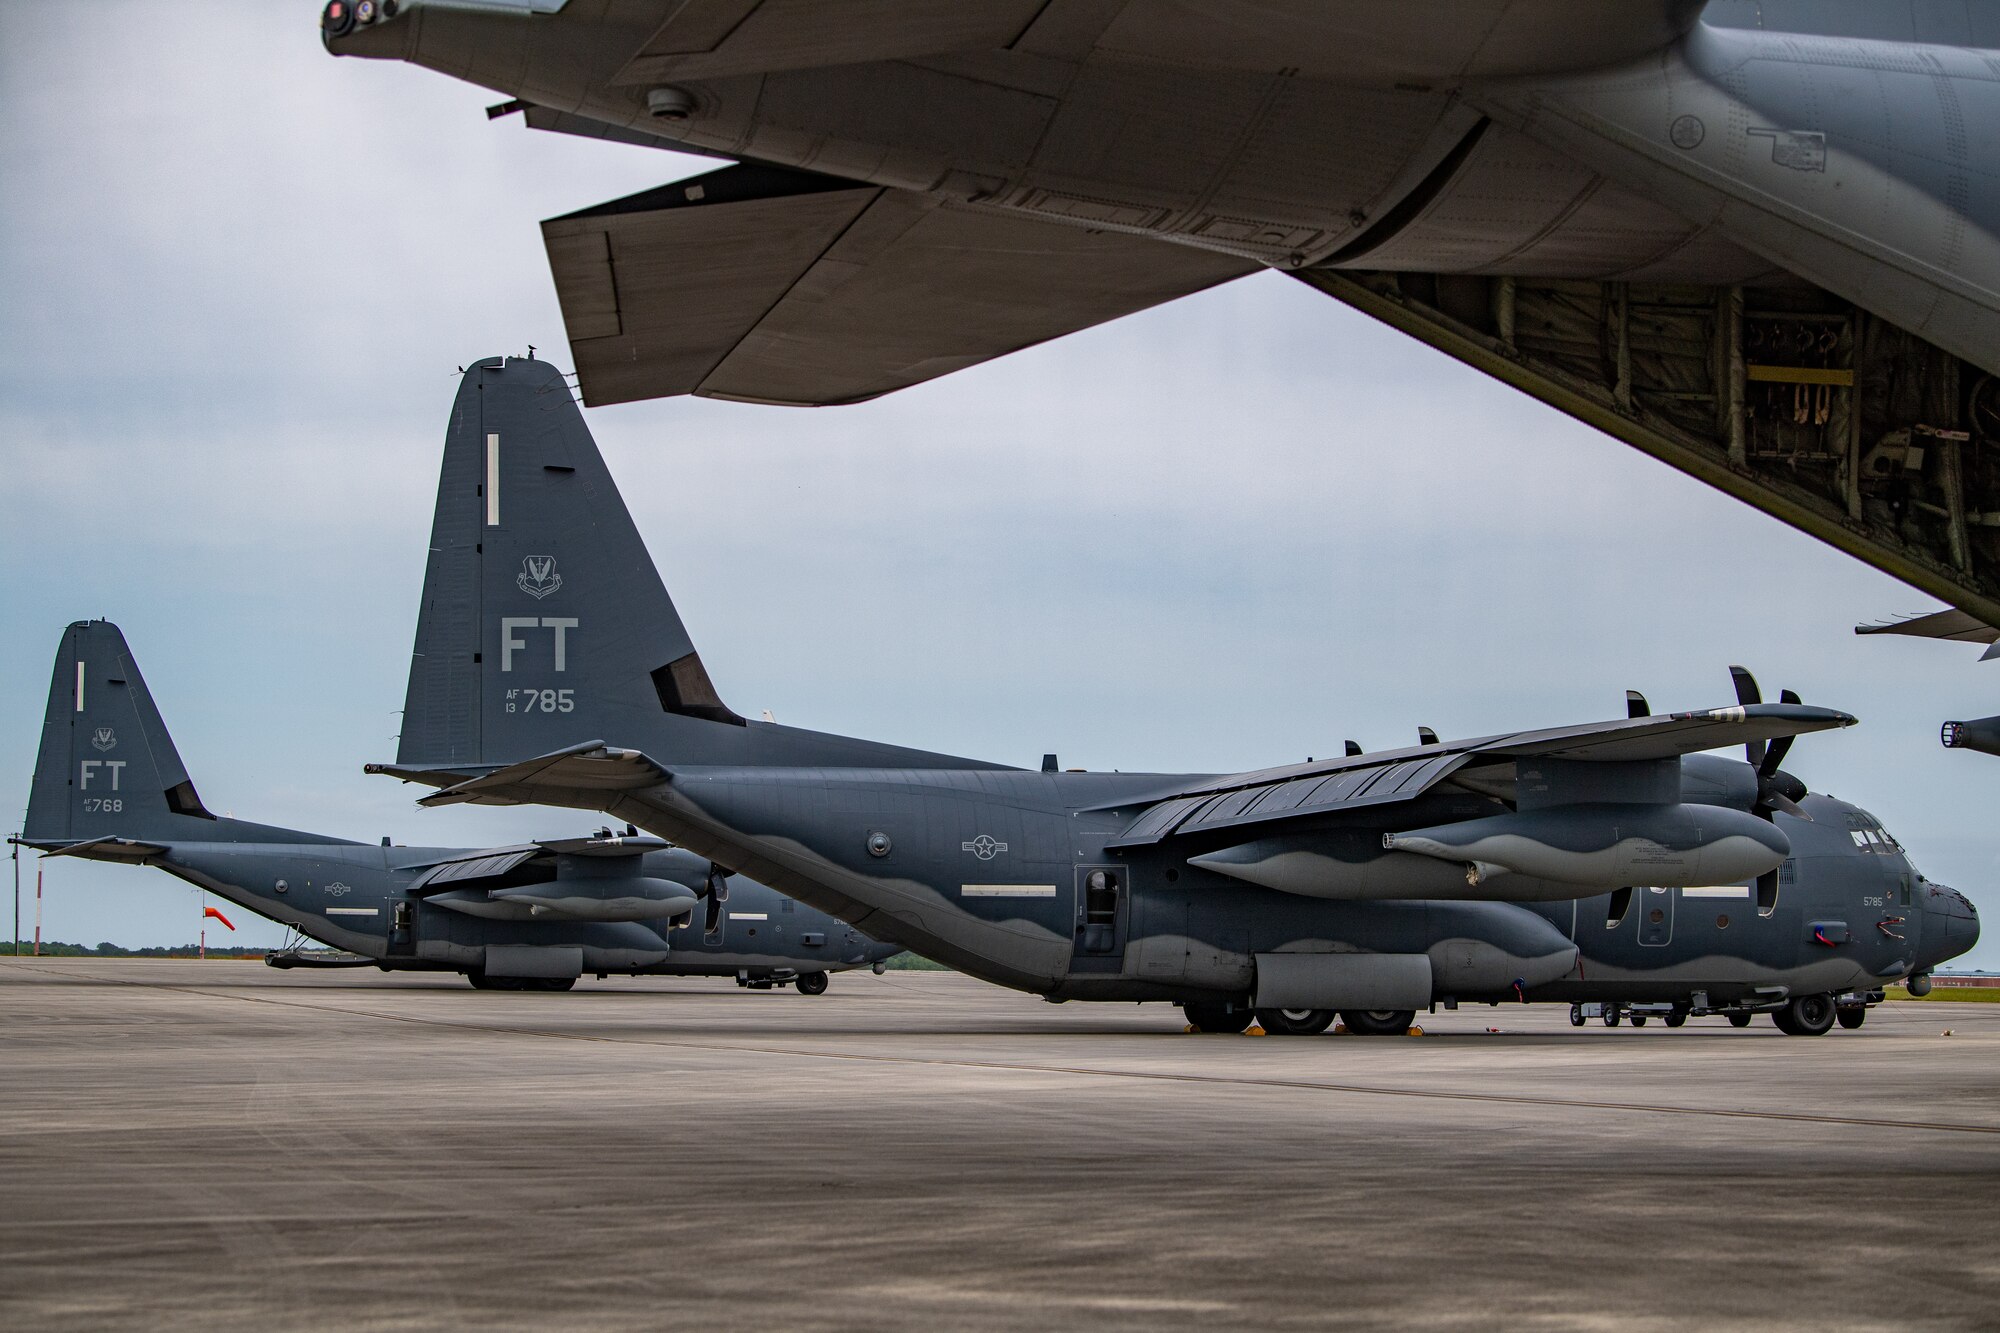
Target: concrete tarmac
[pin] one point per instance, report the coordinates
(222, 1145)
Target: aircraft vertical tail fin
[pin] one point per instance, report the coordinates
(544, 623)
(539, 596)
(107, 768)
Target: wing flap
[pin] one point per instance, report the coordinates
(761, 285)
(487, 863)
(707, 39)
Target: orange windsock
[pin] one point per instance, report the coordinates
(207, 912)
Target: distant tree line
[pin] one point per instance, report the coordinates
(59, 949)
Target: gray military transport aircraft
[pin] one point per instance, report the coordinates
(1757, 239)
(1607, 862)
(109, 786)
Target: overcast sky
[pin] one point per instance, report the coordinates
(237, 275)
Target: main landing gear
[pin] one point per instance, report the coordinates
(1295, 1022)
(1378, 1022)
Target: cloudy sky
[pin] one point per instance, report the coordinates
(237, 276)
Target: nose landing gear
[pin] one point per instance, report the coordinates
(1805, 1015)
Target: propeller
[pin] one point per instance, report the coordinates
(1776, 789)
(1636, 705)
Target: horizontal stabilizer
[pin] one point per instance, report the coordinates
(102, 849)
(766, 285)
(590, 767)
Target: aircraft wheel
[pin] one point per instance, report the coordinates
(1677, 1018)
(480, 981)
(1378, 1022)
(1851, 1018)
(553, 983)
(1739, 1020)
(1638, 1020)
(1215, 1016)
(812, 983)
(1295, 1022)
(1611, 1015)
(1811, 1015)
(1576, 1015)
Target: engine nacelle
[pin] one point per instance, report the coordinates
(1608, 846)
(602, 898)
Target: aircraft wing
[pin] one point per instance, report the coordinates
(1262, 800)
(1952, 623)
(710, 39)
(765, 285)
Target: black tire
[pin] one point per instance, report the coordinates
(1576, 1015)
(1378, 1022)
(1851, 1017)
(1295, 1022)
(1610, 1015)
(1638, 1020)
(1677, 1018)
(480, 981)
(552, 983)
(1739, 1020)
(1215, 1016)
(812, 983)
(1811, 1015)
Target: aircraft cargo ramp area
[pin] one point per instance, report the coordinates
(224, 1145)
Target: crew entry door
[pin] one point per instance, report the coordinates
(1102, 909)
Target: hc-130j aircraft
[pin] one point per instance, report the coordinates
(1757, 239)
(1604, 862)
(109, 786)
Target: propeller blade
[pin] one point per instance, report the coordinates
(1425, 736)
(1353, 748)
(1747, 694)
(1636, 705)
(1778, 800)
(1775, 756)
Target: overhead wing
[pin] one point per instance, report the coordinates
(765, 285)
(546, 779)
(1951, 623)
(1270, 797)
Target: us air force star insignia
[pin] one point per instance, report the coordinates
(983, 847)
(336, 890)
(104, 738)
(538, 577)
